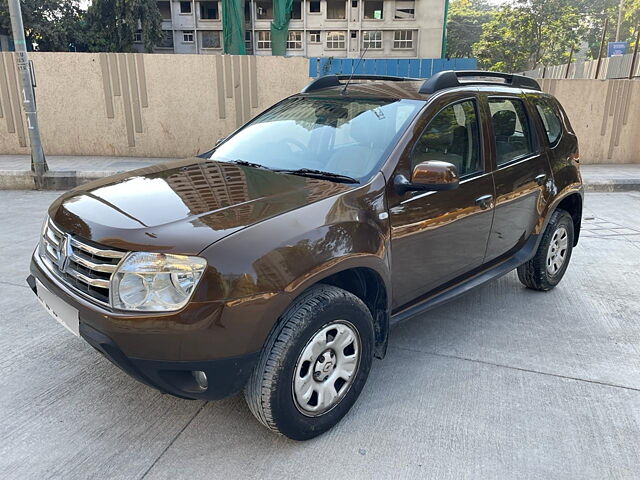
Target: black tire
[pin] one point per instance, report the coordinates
(534, 273)
(270, 392)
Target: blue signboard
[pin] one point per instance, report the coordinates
(617, 48)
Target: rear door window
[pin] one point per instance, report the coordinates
(550, 119)
(511, 129)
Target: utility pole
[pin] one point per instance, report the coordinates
(38, 162)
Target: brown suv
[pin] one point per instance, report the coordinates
(276, 262)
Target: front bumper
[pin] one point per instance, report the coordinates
(226, 375)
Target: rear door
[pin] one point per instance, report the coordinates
(438, 236)
(522, 174)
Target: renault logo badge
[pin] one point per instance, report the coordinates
(64, 253)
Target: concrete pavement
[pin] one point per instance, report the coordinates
(501, 383)
(68, 171)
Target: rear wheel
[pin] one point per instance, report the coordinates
(314, 365)
(545, 270)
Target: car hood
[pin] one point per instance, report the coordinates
(182, 206)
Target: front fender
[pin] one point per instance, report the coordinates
(263, 268)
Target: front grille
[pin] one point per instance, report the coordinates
(85, 268)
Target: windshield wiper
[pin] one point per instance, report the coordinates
(307, 172)
(244, 163)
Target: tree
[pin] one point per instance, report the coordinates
(464, 26)
(112, 24)
(530, 33)
(50, 25)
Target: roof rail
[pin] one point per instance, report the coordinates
(334, 80)
(451, 78)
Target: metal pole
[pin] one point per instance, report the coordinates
(566, 74)
(443, 51)
(604, 36)
(38, 161)
(632, 70)
(619, 20)
(195, 25)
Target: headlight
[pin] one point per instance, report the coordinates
(155, 282)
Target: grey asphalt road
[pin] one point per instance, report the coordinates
(501, 383)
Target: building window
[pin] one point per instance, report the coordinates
(185, 7)
(294, 41)
(264, 10)
(354, 3)
(248, 42)
(336, 10)
(264, 40)
(187, 37)
(405, 9)
(314, 7)
(372, 40)
(403, 39)
(211, 39)
(314, 36)
(165, 10)
(137, 37)
(336, 40)
(209, 11)
(167, 39)
(296, 10)
(373, 10)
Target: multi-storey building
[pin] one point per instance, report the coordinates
(318, 28)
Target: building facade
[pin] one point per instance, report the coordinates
(318, 28)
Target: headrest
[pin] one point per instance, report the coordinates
(504, 123)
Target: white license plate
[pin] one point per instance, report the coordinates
(64, 313)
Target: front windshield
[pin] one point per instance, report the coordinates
(347, 136)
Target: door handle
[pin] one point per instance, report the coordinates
(484, 201)
(540, 179)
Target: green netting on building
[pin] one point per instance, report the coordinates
(233, 27)
(280, 26)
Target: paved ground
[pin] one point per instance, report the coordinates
(69, 171)
(501, 383)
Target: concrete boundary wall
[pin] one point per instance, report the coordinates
(605, 115)
(142, 105)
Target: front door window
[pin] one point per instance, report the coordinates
(452, 136)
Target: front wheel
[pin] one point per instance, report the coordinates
(545, 270)
(314, 364)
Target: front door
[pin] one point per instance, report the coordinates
(438, 236)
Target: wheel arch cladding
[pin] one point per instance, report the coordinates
(367, 284)
(572, 204)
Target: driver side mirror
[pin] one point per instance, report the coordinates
(429, 176)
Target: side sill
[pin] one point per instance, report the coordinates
(433, 300)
